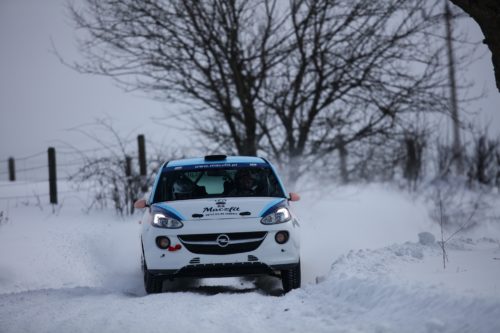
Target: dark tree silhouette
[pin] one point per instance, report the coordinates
(487, 14)
(354, 70)
(293, 81)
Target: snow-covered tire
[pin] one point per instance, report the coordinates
(152, 284)
(290, 278)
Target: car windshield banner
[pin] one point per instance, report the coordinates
(207, 166)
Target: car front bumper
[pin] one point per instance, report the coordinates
(267, 257)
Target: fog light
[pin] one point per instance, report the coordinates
(281, 237)
(162, 242)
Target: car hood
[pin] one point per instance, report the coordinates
(222, 208)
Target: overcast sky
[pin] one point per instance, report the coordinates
(40, 99)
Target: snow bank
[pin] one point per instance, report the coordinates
(40, 249)
(354, 217)
(405, 288)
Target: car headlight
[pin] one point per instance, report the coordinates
(163, 221)
(280, 215)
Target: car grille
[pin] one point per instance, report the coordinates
(228, 243)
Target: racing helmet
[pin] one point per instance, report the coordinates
(182, 189)
(244, 179)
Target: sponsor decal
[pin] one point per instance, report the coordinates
(220, 203)
(233, 210)
(220, 209)
(208, 166)
(211, 166)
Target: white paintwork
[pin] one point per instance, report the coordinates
(221, 221)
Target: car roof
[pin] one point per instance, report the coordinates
(227, 160)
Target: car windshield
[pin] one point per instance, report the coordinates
(217, 182)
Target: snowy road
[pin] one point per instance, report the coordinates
(73, 272)
(349, 305)
(368, 301)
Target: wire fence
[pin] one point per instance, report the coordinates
(34, 171)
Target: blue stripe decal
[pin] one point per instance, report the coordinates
(171, 211)
(279, 178)
(153, 189)
(271, 206)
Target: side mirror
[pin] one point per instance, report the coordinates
(141, 203)
(294, 197)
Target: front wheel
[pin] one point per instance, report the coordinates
(290, 278)
(152, 284)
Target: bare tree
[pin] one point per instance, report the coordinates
(414, 143)
(375, 158)
(294, 82)
(108, 172)
(356, 68)
(456, 211)
(213, 54)
(4, 217)
(483, 163)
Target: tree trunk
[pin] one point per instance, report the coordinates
(344, 174)
(457, 145)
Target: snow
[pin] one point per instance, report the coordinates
(356, 217)
(364, 266)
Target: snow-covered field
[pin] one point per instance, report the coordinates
(364, 270)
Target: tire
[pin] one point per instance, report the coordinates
(290, 278)
(152, 284)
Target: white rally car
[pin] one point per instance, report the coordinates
(219, 216)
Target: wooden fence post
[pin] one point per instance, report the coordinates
(142, 155)
(52, 175)
(12, 169)
(128, 167)
(130, 193)
(142, 161)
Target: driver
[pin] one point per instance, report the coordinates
(245, 183)
(182, 189)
